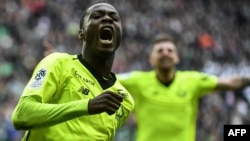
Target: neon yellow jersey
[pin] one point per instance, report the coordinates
(61, 78)
(167, 113)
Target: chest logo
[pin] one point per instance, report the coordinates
(182, 94)
(83, 78)
(83, 90)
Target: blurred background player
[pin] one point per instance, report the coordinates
(77, 97)
(167, 99)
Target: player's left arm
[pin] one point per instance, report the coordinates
(233, 82)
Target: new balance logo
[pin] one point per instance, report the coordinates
(84, 91)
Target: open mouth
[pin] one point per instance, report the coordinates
(106, 35)
(164, 60)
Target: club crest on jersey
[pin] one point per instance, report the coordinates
(182, 94)
(39, 78)
(122, 93)
(119, 113)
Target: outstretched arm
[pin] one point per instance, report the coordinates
(233, 83)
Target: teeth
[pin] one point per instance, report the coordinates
(106, 41)
(107, 28)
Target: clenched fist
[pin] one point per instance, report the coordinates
(106, 102)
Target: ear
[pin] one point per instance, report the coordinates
(178, 59)
(150, 60)
(81, 34)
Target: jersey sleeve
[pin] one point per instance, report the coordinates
(206, 83)
(128, 80)
(45, 78)
(30, 113)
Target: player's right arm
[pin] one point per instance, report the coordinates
(31, 113)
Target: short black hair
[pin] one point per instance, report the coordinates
(85, 12)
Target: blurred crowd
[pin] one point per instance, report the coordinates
(213, 36)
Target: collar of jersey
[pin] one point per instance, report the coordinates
(104, 83)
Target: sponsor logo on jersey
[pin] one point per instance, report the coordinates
(84, 79)
(39, 79)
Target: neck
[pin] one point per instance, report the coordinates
(101, 65)
(165, 76)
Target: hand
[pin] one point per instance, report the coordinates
(48, 48)
(106, 102)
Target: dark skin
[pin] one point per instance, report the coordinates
(101, 35)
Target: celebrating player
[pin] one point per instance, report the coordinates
(166, 99)
(77, 97)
